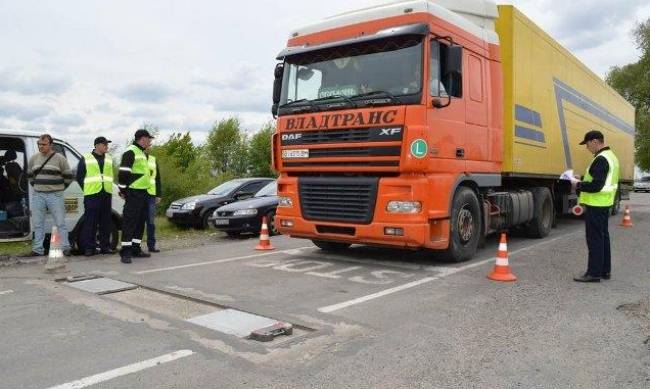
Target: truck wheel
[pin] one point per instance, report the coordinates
(465, 223)
(270, 219)
(330, 246)
(616, 208)
(543, 214)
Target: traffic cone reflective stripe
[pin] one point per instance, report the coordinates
(501, 270)
(627, 219)
(265, 242)
(55, 259)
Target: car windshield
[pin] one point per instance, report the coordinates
(390, 65)
(271, 189)
(225, 188)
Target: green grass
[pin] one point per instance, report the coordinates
(15, 248)
(166, 229)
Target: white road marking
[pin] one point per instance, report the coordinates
(216, 261)
(444, 272)
(122, 371)
(6, 292)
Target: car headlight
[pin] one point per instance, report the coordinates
(404, 207)
(189, 206)
(285, 202)
(245, 212)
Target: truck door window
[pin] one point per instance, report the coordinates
(436, 87)
(73, 159)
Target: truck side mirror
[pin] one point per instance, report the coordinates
(454, 65)
(277, 87)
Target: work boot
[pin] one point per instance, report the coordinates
(125, 255)
(107, 251)
(153, 250)
(138, 253)
(586, 278)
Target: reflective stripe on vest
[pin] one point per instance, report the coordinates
(152, 175)
(96, 179)
(607, 195)
(140, 166)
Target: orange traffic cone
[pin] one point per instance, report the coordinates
(55, 259)
(265, 242)
(627, 220)
(501, 271)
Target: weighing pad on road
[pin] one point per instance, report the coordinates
(101, 285)
(238, 323)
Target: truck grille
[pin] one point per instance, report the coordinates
(348, 135)
(391, 151)
(338, 199)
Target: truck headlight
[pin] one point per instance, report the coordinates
(245, 212)
(404, 207)
(189, 206)
(285, 202)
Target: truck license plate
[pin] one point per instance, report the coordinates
(290, 154)
(221, 222)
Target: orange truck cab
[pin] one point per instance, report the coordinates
(408, 125)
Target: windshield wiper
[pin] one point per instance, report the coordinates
(333, 97)
(307, 101)
(378, 93)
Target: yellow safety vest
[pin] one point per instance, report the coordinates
(96, 179)
(607, 195)
(152, 175)
(140, 166)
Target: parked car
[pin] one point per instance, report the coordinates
(16, 147)
(642, 185)
(246, 215)
(195, 211)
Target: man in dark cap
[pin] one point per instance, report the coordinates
(598, 190)
(134, 181)
(95, 176)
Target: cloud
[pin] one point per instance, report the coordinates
(33, 83)
(24, 112)
(146, 92)
(67, 120)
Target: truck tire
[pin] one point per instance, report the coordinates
(616, 208)
(330, 246)
(75, 236)
(543, 214)
(270, 219)
(465, 226)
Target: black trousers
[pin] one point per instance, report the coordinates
(97, 217)
(135, 213)
(597, 231)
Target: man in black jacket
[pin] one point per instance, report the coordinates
(134, 181)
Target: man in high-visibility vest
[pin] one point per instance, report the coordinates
(155, 197)
(95, 176)
(134, 180)
(598, 190)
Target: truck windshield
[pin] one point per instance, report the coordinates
(392, 66)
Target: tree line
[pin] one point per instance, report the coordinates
(229, 152)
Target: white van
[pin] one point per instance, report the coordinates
(16, 147)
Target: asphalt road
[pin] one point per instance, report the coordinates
(363, 318)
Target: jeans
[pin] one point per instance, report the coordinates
(52, 201)
(151, 223)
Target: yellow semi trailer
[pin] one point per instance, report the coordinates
(551, 99)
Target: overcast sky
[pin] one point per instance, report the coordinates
(85, 68)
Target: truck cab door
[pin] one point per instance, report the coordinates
(446, 124)
(476, 110)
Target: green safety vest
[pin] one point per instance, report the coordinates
(96, 179)
(140, 166)
(152, 175)
(606, 196)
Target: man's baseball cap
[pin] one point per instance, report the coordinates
(101, 140)
(142, 133)
(591, 135)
